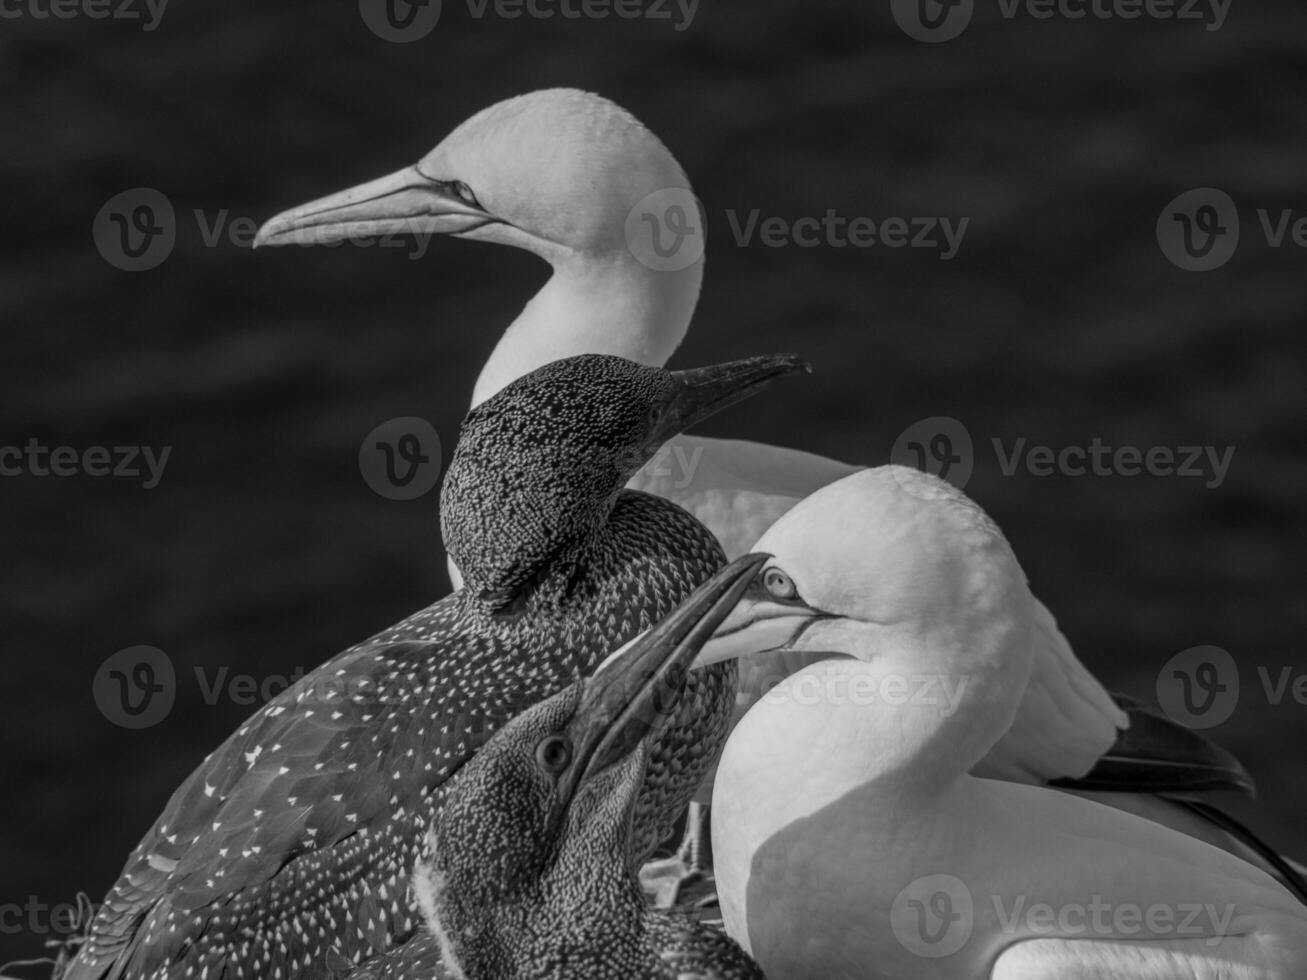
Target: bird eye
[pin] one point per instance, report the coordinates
(554, 753)
(778, 584)
(465, 193)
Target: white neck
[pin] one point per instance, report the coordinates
(595, 305)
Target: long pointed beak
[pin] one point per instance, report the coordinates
(407, 202)
(637, 689)
(701, 392)
(758, 624)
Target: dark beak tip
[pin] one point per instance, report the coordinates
(795, 363)
(778, 365)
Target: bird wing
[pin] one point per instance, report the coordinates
(737, 488)
(417, 959)
(1071, 732)
(1123, 959)
(1130, 898)
(329, 758)
(1066, 721)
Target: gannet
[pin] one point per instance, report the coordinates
(526, 873)
(863, 824)
(559, 173)
(288, 851)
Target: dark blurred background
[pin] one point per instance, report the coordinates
(262, 549)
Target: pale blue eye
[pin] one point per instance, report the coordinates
(778, 584)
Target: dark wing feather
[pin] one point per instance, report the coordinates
(417, 959)
(1157, 755)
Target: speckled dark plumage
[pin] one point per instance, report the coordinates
(525, 873)
(287, 852)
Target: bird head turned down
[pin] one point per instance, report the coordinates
(532, 839)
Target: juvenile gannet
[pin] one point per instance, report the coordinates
(526, 873)
(559, 172)
(873, 816)
(288, 851)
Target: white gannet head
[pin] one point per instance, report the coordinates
(557, 172)
(888, 555)
(919, 618)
